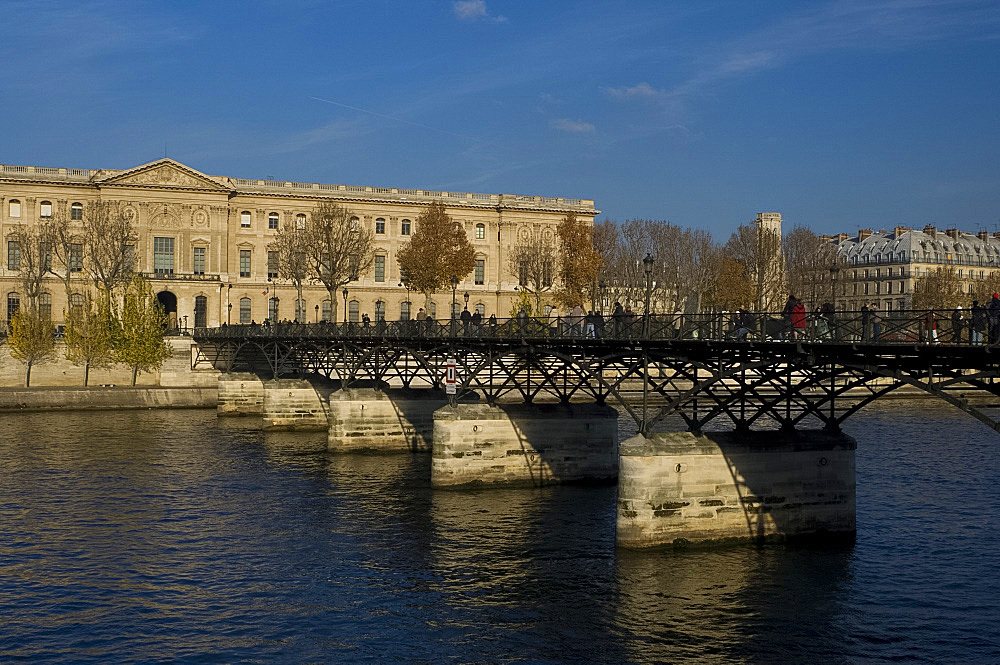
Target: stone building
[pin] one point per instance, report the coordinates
(882, 267)
(203, 240)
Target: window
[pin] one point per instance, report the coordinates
(76, 256)
(272, 308)
(130, 256)
(300, 222)
(198, 262)
(354, 262)
(163, 256)
(901, 289)
(200, 311)
(301, 314)
(13, 255)
(15, 208)
(433, 309)
(481, 308)
(888, 287)
(327, 311)
(380, 268)
(480, 271)
(45, 209)
(379, 310)
(404, 310)
(75, 304)
(245, 262)
(45, 305)
(547, 274)
(456, 309)
(380, 225)
(245, 219)
(13, 304)
(404, 227)
(76, 211)
(352, 312)
(272, 265)
(272, 220)
(480, 231)
(245, 310)
(355, 223)
(45, 252)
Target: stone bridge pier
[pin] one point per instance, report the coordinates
(684, 489)
(385, 420)
(523, 445)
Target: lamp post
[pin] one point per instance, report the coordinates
(316, 307)
(466, 297)
(345, 292)
(647, 268)
(454, 288)
(229, 305)
(406, 284)
(185, 323)
(602, 286)
(834, 269)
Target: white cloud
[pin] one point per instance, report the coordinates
(473, 10)
(637, 90)
(574, 126)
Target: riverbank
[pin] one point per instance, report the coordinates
(106, 398)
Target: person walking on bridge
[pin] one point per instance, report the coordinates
(994, 316)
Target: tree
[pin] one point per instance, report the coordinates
(438, 250)
(579, 262)
(67, 248)
(807, 264)
(109, 238)
(338, 248)
(291, 250)
(939, 289)
(758, 249)
(31, 339)
(138, 337)
(532, 260)
(88, 335)
(34, 259)
(732, 287)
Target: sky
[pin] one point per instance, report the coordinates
(840, 115)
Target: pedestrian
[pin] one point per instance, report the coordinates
(786, 317)
(957, 318)
(618, 319)
(930, 320)
(876, 323)
(977, 324)
(798, 320)
(576, 320)
(993, 312)
(866, 322)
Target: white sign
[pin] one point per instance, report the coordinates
(449, 377)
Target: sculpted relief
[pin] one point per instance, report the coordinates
(164, 175)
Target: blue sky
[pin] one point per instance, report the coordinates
(839, 115)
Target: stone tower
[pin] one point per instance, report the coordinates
(770, 262)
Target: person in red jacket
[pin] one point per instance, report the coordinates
(798, 320)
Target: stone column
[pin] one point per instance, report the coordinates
(240, 395)
(390, 420)
(294, 404)
(683, 489)
(479, 444)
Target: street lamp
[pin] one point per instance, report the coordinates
(316, 307)
(229, 306)
(834, 269)
(454, 288)
(466, 296)
(602, 285)
(345, 292)
(404, 283)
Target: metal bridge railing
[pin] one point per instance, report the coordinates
(897, 327)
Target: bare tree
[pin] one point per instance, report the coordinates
(532, 259)
(808, 259)
(67, 250)
(290, 246)
(109, 238)
(758, 249)
(34, 260)
(939, 289)
(338, 248)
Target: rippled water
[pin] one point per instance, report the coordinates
(176, 537)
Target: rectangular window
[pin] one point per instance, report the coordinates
(163, 256)
(901, 289)
(76, 257)
(480, 231)
(130, 256)
(245, 219)
(245, 263)
(480, 271)
(13, 255)
(76, 212)
(380, 225)
(272, 220)
(272, 265)
(380, 268)
(198, 266)
(45, 305)
(45, 209)
(15, 209)
(245, 310)
(404, 227)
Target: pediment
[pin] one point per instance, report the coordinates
(164, 173)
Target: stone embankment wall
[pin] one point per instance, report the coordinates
(685, 489)
(479, 444)
(80, 398)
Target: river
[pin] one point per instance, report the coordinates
(173, 536)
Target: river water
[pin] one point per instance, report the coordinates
(172, 536)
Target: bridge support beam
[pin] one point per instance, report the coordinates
(680, 489)
(479, 444)
(240, 395)
(391, 420)
(294, 404)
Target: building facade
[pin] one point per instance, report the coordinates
(203, 240)
(882, 267)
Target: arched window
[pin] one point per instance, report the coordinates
(15, 208)
(404, 310)
(245, 219)
(355, 223)
(45, 305)
(76, 211)
(272, 220)
(45, 209)
(456, 309)
(481, 308)
(13, 304)
(380, 225)
(352, 311)
(434, 310)
(272, 308)
(404, 227)
(245, 310)
(327, 310)
(480, 231)
(301, 315)
(75, 304)
(300, 222)
(200, 311)
(379, 310)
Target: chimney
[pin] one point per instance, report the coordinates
(863, 233)
(841, 237)
(983, 235)
(899, 231)
(996, 234)
(930, 230)
(952, 233)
